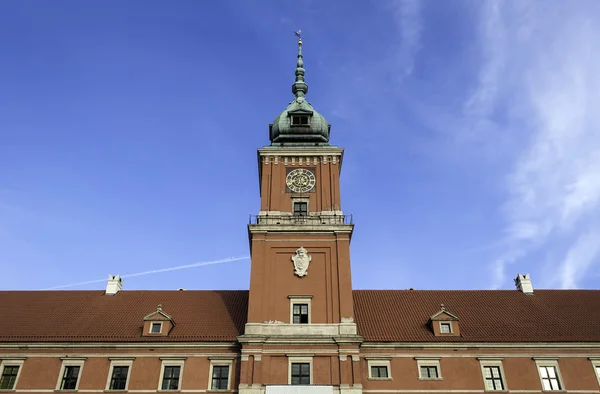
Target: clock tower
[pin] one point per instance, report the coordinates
(300, 282)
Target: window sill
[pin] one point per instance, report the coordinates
(66, 390)
(115, 391)
(431, 378)
(7, 390)
(496, 391)
(380, 379)
(169, 391)
(219, 391)
(554, 391)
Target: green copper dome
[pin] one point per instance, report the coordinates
(299, 123)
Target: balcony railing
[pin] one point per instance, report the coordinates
(295, 220)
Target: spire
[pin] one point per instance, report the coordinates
(299, 88)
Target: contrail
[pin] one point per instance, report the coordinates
(179, 267)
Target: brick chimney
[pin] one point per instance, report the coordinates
(523, 283)
(115, 284)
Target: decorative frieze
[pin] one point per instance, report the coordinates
(300, 160)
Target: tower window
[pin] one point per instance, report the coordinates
(300, 208)
(300, 120)
(300, 373)
(300, 314)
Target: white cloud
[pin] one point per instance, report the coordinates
(579, 259)
(542, 67)
(408, 20)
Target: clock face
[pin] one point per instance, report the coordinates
(300, 180)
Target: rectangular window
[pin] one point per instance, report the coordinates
(220, 377)
(445, 328)
(549, 377)
(379, 371)
(429, 372)
(300, 373)
(9, 377)
(70, 376)
(300, 314)
(300, 208)
(300, 120)
(118, 379)
(156, 327)
(492, 377)
(171, 377)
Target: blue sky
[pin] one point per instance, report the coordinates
(128, 137)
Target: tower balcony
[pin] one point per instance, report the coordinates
(312, 219)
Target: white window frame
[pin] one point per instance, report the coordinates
(119, 363)
(153, 323)
(429, 362)
(12, 362)
(220, 363)
(493, 363)
(449, 323)
(596, 366)
(550, 363)
(171, 362)
(297, 360)
(70, 362)
(379, 363)
(300, 300)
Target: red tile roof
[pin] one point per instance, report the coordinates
(91, 316)
(484, 315)
(381, 315)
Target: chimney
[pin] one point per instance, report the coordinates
(115, 284)
(523, 283)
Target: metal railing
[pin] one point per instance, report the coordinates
(294, 220)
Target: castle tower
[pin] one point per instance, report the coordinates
(300, 281)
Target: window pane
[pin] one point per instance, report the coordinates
(495, 372)
(304, 369)
(375, 372)
(433, 372)
(551, 372)
(544, 372)
(383, 372)
(546, 384)
(155, 328)
(487, 372)
(295, 369)
(304, 309)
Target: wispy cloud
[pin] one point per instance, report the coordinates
(408, 20)
(542, 68)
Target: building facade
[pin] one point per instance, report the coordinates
(300, 328)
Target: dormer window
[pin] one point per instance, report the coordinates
(158, 323)
(445, 328)
(444, 323)
(156, 328)
(300, 120)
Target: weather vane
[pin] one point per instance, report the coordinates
(298, 34)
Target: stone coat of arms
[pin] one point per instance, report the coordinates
(301, 261)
